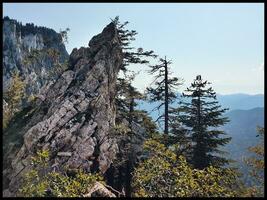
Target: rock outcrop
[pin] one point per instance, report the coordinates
(73, 116)
(19, 44)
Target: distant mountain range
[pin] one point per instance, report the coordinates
(241, 101)
(231, 101)
(246, 112)
(242, 129)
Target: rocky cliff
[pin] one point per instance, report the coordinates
(72, 117)
(21, 44)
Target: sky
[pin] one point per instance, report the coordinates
(222, 42)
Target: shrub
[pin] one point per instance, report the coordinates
(165, 175)
(54, 184)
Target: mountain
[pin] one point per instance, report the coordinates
(231, 101)
(242, 129)
(72, 118)
(26, 49)
(242, 125)
(241, 101)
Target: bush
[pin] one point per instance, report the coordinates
(165, 175)
(54, 184)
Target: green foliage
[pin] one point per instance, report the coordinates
(32, 98)
(256, 164)
(36, 183)
(126, 98)
(15, 92)
(120, 130)
(130, 55)
(201, 117)
(36, 57)
(147, 122)
(7, 114)
(57, 69)
(164, 174)
(163, 90)
(13, 97)
(41, 159)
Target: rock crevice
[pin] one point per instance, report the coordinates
(80, 115)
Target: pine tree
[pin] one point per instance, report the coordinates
(130, 55)
(163, 90)
(126, 98)
(126, 93)
(179, 136)
(202, 116)
(125, 90)
(127, 111)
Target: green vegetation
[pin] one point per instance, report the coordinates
(36, 57)
(13, 97)
(163, 90)
(164, 174)
(256, 164)
(182, 161)
(40, 183)
(201, 117)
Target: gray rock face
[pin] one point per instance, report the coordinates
(74, 115)
(19, 42)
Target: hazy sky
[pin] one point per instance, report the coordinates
(222, 42)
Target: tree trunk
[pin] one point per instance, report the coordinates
(166, 114)
(131, 111)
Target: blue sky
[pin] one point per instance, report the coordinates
(222, 42)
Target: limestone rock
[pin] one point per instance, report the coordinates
(99, 190)
(19, 42)
(74, 115)
(68, 154)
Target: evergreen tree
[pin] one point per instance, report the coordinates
(179, 137)
(127, 111)
(126, 93)
(126, 98)
(163, 90)
(125, 90)
(130, 55)
(201, 117)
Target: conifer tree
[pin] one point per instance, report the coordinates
(126, 93)
(130, 54)
(126, 98)
(202, 116)
(163, 90)
(179, 136)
